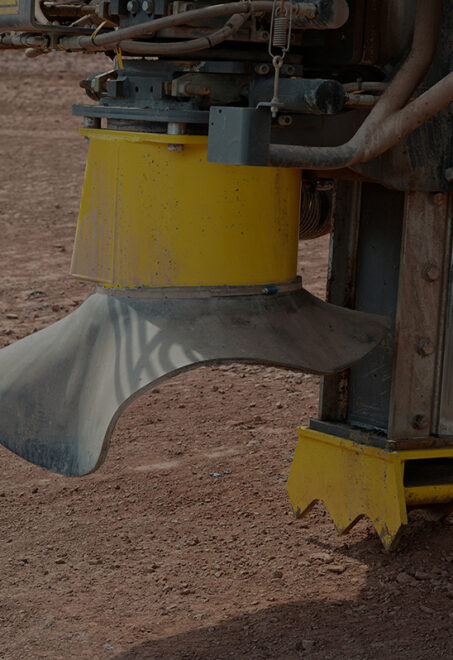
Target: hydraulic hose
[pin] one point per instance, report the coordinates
(305, 12)
(114, 38)
(388, 122)
(193, 45)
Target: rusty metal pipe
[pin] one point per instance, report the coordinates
(383, 127)
(306, 10)
(364, 101)
(365, 87)
(413, 115)
(25, 40)
(147, 29)
(416, 65)
(193, 45)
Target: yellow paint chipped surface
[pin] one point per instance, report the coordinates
(158, 218)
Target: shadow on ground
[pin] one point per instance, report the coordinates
(404, 610)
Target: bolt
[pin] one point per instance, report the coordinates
(288, 69)
(148, 6)
(431, 272)
(420, 422)
(262, 69)
(425, 347)
(132, 6)
(263, 35)
(285, 120)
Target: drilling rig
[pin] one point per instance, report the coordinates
(220, 134)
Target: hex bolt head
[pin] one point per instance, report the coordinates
(420, 422)
(285, 120)
(262, 69)
(288, 69)
(449, 174)
(425, 347)
(132, 6)
(431, 272)
(148, 6)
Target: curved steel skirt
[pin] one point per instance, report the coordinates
(63, 389)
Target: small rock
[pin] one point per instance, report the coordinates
(322, 556)
(427, 610)
(60, 560)
(421, 575)
(405, 578)
(12, 316)
(109, 647)
(336, 568)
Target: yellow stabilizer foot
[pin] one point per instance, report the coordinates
(355, 480)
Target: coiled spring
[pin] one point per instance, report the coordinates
(280, 32)
(317, 202)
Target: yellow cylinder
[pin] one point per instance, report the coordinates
(155, 216)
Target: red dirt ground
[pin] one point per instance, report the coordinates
(151, 557)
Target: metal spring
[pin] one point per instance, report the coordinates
(280, 32)
(315, 212)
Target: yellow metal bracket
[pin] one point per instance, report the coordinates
(355, 480)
